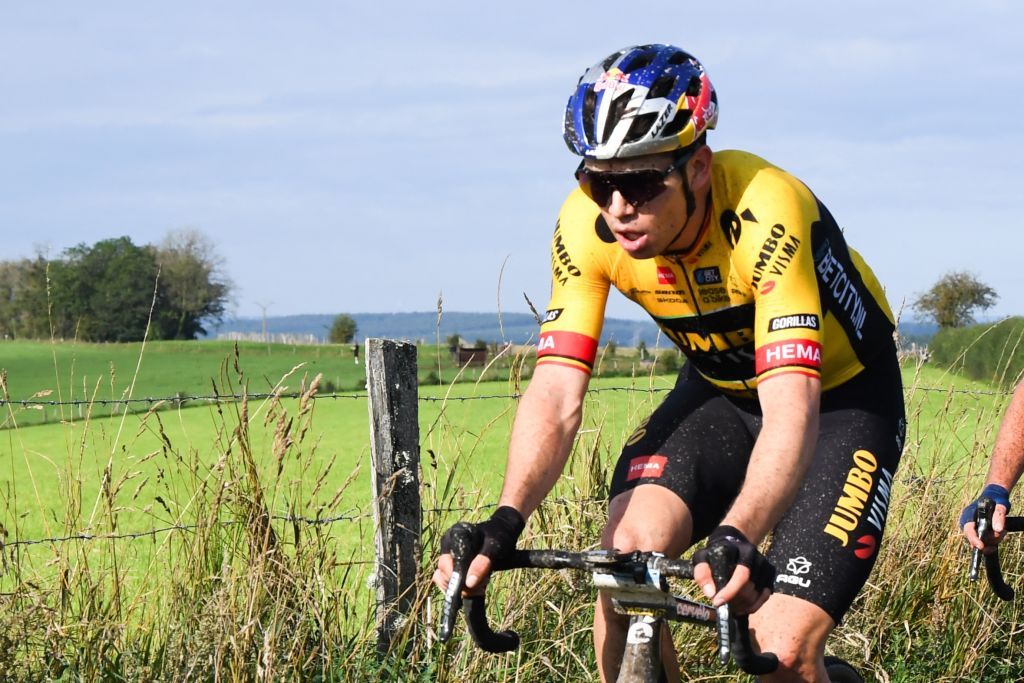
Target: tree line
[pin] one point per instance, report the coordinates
(112, 290)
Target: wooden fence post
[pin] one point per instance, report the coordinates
(394, 440)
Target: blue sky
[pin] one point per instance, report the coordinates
(345, 157)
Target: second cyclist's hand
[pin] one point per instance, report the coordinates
(1001, 497)
(752, 579)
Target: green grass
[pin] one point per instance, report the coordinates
(234, 591)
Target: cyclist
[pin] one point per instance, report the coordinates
(1004, 471)
(788, 416)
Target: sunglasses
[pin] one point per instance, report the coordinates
(636, 187)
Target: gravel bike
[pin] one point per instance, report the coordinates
(636, 583)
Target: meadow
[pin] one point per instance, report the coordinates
(233, 540)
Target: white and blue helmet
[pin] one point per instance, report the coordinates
(640, 100)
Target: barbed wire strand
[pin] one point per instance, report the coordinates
(222, 398)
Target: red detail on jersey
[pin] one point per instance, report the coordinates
(567, 345)
(867, 549)
(767, 287)
(666, 276)
(800, 352)
(646, 466)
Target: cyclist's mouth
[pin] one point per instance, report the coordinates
(631, 240)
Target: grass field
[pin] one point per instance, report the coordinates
(183, 603)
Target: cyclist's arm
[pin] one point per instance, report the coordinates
(781, 455)
(1007, 463)
(778, 464)
(545, 425)
(546, 421)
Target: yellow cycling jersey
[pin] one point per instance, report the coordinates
(769, 287)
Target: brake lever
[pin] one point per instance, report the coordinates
(462, 537)
(982, 520)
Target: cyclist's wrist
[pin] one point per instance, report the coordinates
(727, 533)
(511, 518)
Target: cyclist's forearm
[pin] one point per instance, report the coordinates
(542, 438)
(781, 456)
(1007, 462)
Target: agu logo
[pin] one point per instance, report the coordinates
(796, 567)
(646, 467)
(666, 276)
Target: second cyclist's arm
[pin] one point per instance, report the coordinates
(1008, 454)
(781, 455)
(546, 422)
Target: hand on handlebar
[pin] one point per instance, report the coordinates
(750, 575)
(494, 539)
(994, 534)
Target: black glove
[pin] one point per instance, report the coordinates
(496, 538)
(740, 551)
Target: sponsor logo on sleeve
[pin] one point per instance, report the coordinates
(708, 276)
(843, 289)
(552, 315)
(646, 467)
(792, 352)
(562, 267)
(788, 322)
(767, 287)
(666, 276)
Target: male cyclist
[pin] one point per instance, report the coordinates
(1004, 471)
(788, 417)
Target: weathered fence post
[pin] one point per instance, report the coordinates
(394, 440)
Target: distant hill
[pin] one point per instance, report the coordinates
(518, 328)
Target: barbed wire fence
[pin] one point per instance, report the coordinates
(181, 401)
(397, 514)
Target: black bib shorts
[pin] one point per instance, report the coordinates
(697, 444)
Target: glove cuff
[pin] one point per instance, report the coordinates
(726, 532)
(997, 493)
(510, 518)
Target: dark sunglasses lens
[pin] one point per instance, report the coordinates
(640, 187)
(596, 187)
(636, 187)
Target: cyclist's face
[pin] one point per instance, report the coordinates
(653, 226)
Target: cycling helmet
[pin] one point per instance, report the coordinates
(643, 99)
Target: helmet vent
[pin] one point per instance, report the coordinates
(677, 123)
(589, 105)
(679, 58)
(641, 124)
(693, 87)
(618, 108)
(640, 61)
(662, 87)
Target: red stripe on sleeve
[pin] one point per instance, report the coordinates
(572, 345)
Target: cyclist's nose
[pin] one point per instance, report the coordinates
(618, 207)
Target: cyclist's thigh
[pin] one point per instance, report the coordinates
(696, 444)
(826, 544)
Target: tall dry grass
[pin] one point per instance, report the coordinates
(242, 595)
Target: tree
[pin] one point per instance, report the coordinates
(343, 330)
(952, 300)
(196, 289)
(104, 292)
